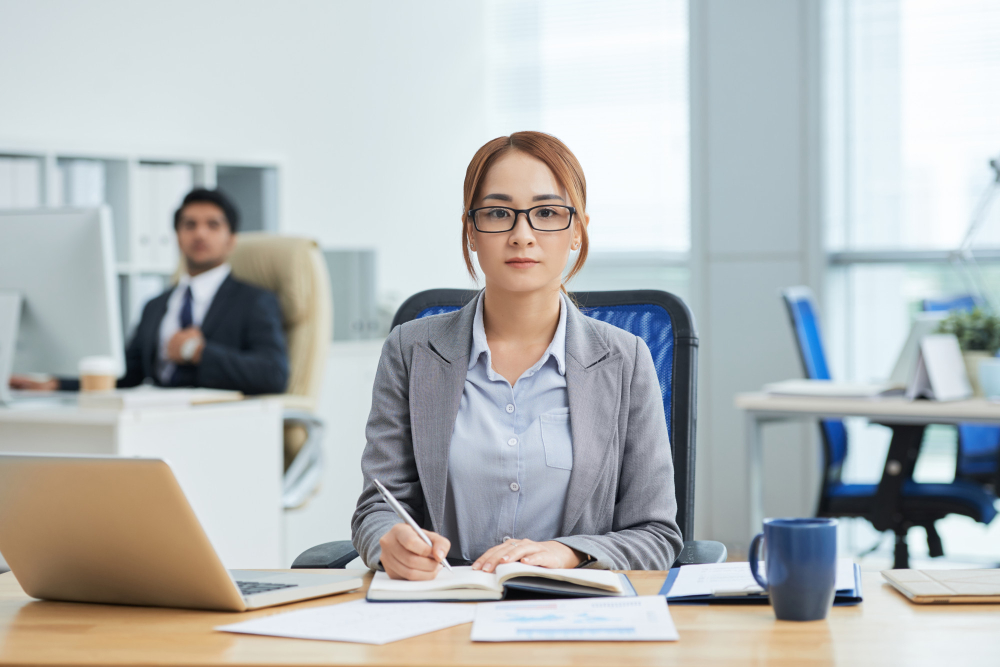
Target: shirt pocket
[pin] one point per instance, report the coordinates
(557, 440)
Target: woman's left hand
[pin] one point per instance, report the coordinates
(543, 554)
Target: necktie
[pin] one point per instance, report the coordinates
(187, 319)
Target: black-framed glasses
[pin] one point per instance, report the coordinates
(544, 218)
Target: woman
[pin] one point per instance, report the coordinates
(517, 428)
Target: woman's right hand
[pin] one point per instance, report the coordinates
(406, 556)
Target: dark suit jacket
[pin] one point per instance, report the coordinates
(244, 344)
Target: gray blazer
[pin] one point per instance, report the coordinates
(620, 507)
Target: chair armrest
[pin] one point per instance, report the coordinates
(697, 552)
(332, 555)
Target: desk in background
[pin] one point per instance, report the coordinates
(761, 408)
(227, 458)
(884, 630)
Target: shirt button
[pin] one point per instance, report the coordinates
(510, 408)
(514, 486)
(512, 442)
(506, 538)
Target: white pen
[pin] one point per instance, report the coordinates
(405, 516)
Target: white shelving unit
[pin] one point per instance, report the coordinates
(142, 192)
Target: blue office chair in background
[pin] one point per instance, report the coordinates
(897, 502)
(664, 322)
(978, 456)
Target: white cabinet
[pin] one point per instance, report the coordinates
(142, 191)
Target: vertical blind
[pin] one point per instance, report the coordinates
(610, 80)
(921, 105)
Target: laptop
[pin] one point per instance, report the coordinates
(946, 586)
(120, 531)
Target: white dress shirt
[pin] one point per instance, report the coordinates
(204, 286)
(511, 451)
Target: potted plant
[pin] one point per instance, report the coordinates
(978, 334)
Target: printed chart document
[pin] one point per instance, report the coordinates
(635, 619)
(726, 579)
(359, 621)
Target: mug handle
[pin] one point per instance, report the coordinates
(755, 559)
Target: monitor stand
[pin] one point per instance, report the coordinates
(10, 316)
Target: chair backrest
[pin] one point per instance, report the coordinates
(804, 316)
(294, 269)
(666, 325)
(978, 444)
(963, 302)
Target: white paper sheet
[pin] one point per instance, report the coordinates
(359, 621)
(592, 619)
(735, 578)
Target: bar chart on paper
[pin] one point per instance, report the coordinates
(594, 619)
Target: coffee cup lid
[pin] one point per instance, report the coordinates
(98, 366)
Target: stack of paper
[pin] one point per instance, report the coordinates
(593, 619)
(155, 397)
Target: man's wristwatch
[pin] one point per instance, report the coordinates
(189, 348)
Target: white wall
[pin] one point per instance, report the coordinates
(756, 218)
(375, 106)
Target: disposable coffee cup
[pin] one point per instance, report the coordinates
(98, 374)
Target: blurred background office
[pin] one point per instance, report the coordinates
(733, 148)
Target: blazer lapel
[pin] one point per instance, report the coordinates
(221, 303)
(593, 385)
(437, 380)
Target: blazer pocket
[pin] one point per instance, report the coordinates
(557, 440)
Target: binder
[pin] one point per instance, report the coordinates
(842, 598)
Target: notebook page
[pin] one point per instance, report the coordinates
(460, 577)
(603, 579)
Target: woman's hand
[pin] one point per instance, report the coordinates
(543, 554)
(406, 556)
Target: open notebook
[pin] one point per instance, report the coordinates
(464, 583)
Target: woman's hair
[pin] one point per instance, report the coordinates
(552, 152)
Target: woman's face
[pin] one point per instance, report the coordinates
(522, 259)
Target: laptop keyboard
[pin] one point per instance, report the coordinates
(254, 587)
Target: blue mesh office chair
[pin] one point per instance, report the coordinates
(978, 457)
(664, 322)
(897, 502)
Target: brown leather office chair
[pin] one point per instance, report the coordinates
(294, 269)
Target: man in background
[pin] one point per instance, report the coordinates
(210, 330)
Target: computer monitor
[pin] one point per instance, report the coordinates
(58, 291)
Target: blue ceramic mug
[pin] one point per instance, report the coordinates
(801, 565)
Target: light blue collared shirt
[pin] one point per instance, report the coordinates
(511, 451)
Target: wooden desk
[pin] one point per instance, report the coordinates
(885, 630)
(761, 408)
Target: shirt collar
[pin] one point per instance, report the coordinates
(205, 285)
(556, 349)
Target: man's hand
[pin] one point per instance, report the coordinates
(176, 344)
(24, 382)
(543, 554)
(406, 556)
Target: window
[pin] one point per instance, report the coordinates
(610, 80)
(912, 108)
